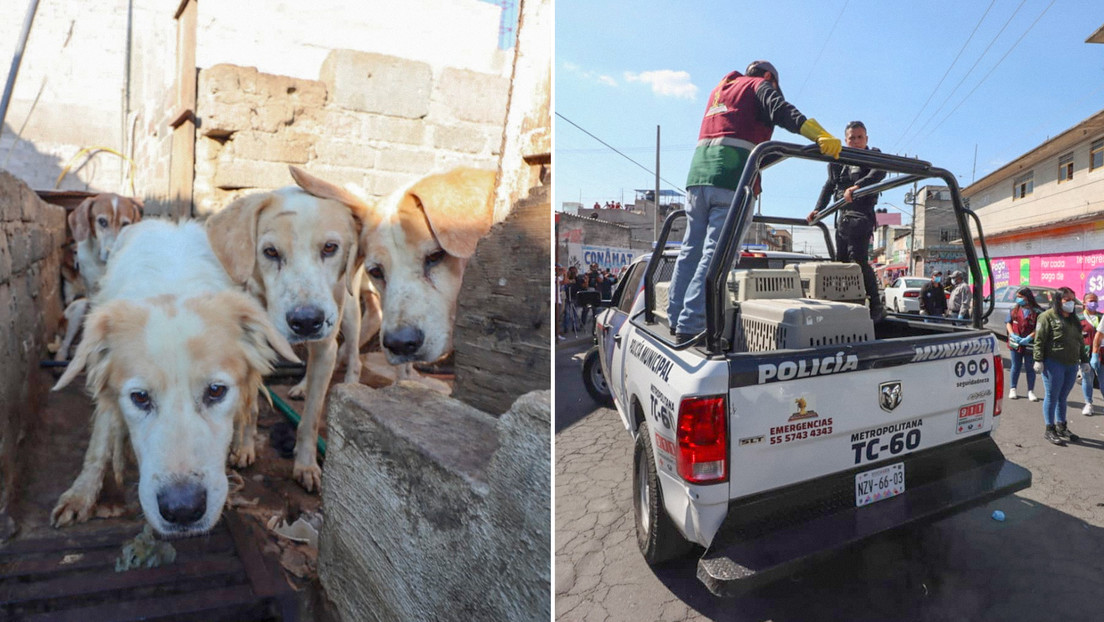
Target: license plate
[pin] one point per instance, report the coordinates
(879, 484)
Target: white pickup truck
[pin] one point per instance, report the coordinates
(794, 426)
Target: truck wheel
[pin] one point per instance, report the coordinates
(658, 538)
(593, 379)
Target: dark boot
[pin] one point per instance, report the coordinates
(1052, 436)
(1063, 432)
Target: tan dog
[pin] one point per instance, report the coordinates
(175, 357)
(298, 254)
(95, 224)
(416, 243)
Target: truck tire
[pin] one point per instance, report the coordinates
(656, 535)
(593, 379)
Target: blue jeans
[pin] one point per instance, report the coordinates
(1058, 380)
(1087, 381)
(1025, 362)
(706, 208)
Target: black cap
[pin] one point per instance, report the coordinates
(760, 67)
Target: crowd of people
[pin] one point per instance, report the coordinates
(608, 205)
(571, 315)
(1062, 343)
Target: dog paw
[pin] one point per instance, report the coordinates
(72, 507)
(309, 476)
(242, 457)
(299, 391)
(109, 510)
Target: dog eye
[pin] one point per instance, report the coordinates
(102, 221)
(328, 249)
(141, 399)
(435, 257)
(376, 272)
(214, 393)
(271, 252)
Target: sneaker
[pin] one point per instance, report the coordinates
(1087, 410)
(1031, 396)
(562, 338)
(1052, 436)
(1064, 433)
(681, 338)
(1012, 393)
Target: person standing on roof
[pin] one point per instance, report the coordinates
(856, 220)
(742, 112)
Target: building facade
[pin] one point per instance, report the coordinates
(1042, 212)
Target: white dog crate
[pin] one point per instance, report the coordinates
(757, 284)
(832, 281)
(662, 296)
(766, 325)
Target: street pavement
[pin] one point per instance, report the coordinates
(1045, 561)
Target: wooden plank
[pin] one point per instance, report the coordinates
(228, 603)
(182, 164)
(81, 585)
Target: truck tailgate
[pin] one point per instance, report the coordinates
(798, 415)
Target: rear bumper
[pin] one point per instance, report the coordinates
(774, 534)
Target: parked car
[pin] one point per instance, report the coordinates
(1005, 299)
(903, 295)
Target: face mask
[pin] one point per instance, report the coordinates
(1021, 301)
(1091, 305)
(938, 279)
(1067, 306)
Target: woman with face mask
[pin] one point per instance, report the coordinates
(1058, 353)
(1020, 326)
(1090, 326)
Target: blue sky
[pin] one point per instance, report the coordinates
(621, 69)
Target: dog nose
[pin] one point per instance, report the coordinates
(182, 503)
(306, 320)
(404, 340)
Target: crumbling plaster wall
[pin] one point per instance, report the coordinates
(30, 307)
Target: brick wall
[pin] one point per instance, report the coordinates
(30, 308)
(373, 120)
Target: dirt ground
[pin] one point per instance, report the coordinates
(261, 493)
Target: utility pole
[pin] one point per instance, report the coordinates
(910, 199)
(655, 199)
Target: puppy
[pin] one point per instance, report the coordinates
(417, 242)
(95, 224)
(298, 254)
(175, 355)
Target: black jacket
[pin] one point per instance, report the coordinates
(933, 299)
(843, 176)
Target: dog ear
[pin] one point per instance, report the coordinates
(357, 207)
(139, 207)
(92, 347)
(256, 327)
(80, 220)
(459, 206)
(233, 234)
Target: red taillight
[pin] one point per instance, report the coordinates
(702, 440)
(998, 367)
(912, 294)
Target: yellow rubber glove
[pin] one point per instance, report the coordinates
(829, 145)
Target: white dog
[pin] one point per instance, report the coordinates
(175, 356)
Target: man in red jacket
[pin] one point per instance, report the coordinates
(741, 113)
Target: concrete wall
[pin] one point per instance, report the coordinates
(74, 65)
(435, 510)
(30, 307)
(572, 232)
(375, 121)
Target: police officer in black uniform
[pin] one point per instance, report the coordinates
(855, 220)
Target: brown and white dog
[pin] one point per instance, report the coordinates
(416, 243)
(175, 355)
(94, 224)
(298, 254)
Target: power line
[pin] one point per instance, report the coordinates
(614, 149)
(822, 47)
(986, 77)
(971, 70)
(945, 74)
